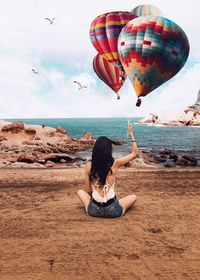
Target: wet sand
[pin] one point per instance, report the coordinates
(45, 233)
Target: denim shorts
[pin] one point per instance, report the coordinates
(114, 210)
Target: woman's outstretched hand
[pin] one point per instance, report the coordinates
(130, 128)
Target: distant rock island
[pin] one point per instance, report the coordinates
(189, 117)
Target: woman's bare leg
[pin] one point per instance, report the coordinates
(128, 201)
(84, 197)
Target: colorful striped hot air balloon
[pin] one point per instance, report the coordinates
(109, 73)
(146, 10)
(152, 50)
(104, 33)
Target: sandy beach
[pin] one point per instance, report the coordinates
(45, 233)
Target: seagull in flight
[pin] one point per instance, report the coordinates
(35, 72)
(80, 86)
(50, 20)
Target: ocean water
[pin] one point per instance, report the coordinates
(183, 140)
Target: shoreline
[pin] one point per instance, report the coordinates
(41, 146)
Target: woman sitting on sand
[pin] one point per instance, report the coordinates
(99, 198)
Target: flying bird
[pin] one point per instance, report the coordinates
(50, 20)
(80, 86)
(35, 72)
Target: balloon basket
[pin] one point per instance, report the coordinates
(138, 103)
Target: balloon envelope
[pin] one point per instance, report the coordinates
(104, 33)
(146, 10)
(152, 50)
(110, 74)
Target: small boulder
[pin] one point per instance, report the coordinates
(61, 130)
(190, 158)
(29, 143)
(30, 131)
(27, 158)
(118, 142)
(173, 157)
(182, 161)
(160, 159)
(3, 138)
(166, 152)
(41, 161)
(49, 164)
(15, 127)
(87, 136)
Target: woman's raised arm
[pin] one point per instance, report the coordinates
(134, 150)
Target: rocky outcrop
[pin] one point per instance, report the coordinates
(87, 136)
(15, 127)
(118, 142)
(61, 130)
(191, 115)
(57, 157)
(151, 119)
(168, 158)
(27, 158)
(30, 131)
(196, 107)
(2, 138)
(42, 145)
(49, 163)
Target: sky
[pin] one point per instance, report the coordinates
(62, 52)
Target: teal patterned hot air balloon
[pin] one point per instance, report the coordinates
(152, 50)
(146, 10)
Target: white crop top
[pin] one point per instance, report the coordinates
(108, 192)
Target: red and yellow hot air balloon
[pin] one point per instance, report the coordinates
(104, 33)
(109, 73)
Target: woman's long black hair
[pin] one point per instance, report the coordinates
(102, 160)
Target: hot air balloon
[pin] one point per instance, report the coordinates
(146, 10)
(152, 50)
(104, 33)
(109, 73)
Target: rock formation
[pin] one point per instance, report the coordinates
(190, 116)
(152, 118)
(87, 136)
(31, 144)
(13, 127)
